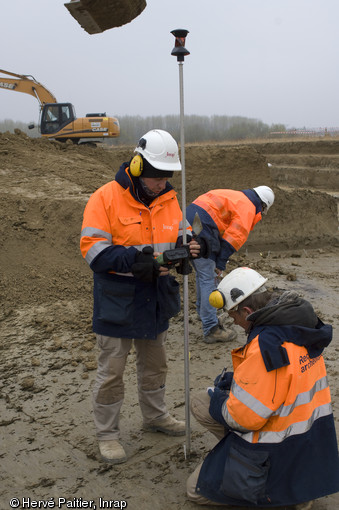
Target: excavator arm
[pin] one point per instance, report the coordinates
(27, 84)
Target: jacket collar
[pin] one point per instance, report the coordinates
(288, 318)
(127, 181)
(254, 198)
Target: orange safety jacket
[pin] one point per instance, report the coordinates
(116, 227)
(281, 448)
(113, 217)
(270, 407)
(233, 212)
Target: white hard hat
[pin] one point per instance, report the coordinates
(237, 286)
(266, 195)
(160, 149)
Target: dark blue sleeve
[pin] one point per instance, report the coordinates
(114, 258)
(218, 398)
(226, 250)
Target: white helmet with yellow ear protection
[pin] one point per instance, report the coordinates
(160, 149)
(237, 286)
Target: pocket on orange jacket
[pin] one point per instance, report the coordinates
(130, 231)
(115, 304)
(245, 474)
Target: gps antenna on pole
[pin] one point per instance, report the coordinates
(180, 52)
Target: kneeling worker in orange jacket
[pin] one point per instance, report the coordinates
(227, 216)
(126, 223)
(272, 415)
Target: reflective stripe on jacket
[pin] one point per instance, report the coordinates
(233, 212)
(281, 448)
(116, 225)
(113, 216)
(269, 407)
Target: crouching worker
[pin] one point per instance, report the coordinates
(272, 415)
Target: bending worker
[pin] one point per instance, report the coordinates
(126, 223)
(227, 216)
(272, 415)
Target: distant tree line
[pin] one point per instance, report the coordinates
(198, 128)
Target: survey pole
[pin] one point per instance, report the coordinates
(180, 52)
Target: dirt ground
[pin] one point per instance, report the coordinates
(48, 448)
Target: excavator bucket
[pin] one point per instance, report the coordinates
(96, 16)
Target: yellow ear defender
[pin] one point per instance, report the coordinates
(216, 299)
(136, 166)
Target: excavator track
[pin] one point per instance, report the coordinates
(96, 16)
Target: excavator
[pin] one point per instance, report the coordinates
(58, 120)
(96, 16)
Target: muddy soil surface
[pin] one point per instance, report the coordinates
(48, 448)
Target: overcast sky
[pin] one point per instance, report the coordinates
(272, 60)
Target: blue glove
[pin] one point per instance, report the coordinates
(224, 380)
(218, 397)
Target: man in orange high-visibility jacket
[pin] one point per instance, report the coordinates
(126, 223)
(227, 216)
(273, 414)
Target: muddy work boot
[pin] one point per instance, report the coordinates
(169, 426)
(219, 334)
(111, 451)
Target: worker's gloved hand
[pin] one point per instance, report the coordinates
(218, 397)
(205, 249)
(223, 381)
(145, 267)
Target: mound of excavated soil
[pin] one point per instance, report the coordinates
(45, 186)
(48, 355)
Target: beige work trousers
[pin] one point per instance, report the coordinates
(108, 390)
(200, 410)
